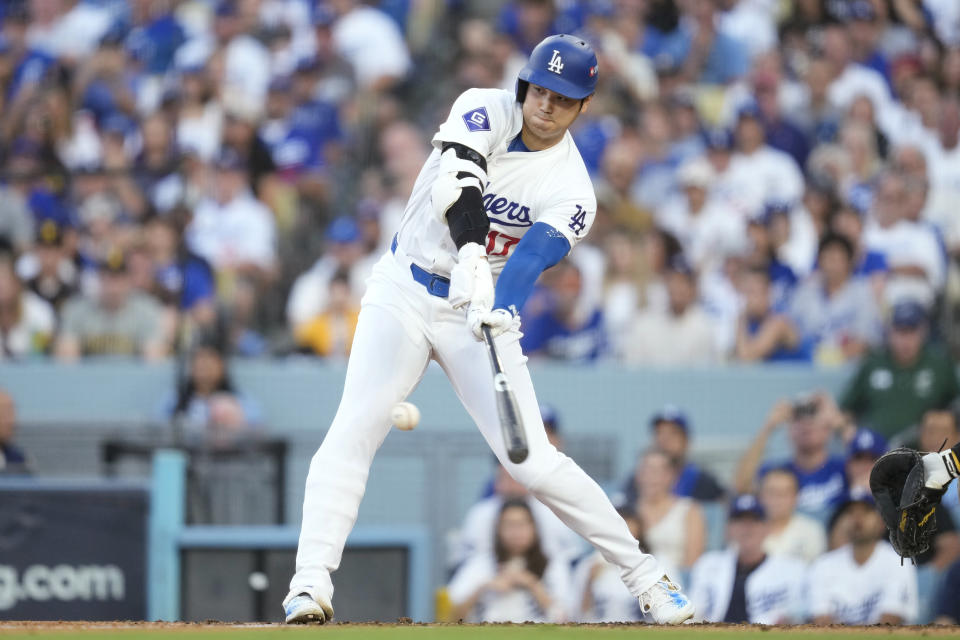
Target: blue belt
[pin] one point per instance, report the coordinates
(436, 285)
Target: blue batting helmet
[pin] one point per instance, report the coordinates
(563, 64)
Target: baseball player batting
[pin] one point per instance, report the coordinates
(504, 193)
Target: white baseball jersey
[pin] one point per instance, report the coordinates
(860, 594)
(774, 590)
(523, 187)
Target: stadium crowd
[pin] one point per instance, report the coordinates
(804, 541)
(771, 176)
(776, 181)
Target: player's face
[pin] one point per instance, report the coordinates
(547, 116)
(671, 439)
(747, 533)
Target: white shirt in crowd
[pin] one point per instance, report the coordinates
(372, 43)
(311, 290)
(516, 605)
(667, 538)
(479, 528)
(661, 338)
(610, 598)
(908, 243)
(855, 594)
(802, 538)
(29, 336)
(705, 234)
(774, 590)
(240, 231)
(940, 209)
(763, 177)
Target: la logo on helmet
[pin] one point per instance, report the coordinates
(556, 63)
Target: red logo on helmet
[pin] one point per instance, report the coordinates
(593, 71)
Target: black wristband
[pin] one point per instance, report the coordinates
(467, 220)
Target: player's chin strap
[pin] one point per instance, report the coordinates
(457, 194)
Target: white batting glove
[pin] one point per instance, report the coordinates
(499, 321)
(939, 469)
(470, 279)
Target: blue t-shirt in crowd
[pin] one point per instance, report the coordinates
(544, 334)
(872, 262)
(821, 490)
(801, 353)
(191, 280)
(948, 604)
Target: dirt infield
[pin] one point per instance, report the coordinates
(404, 630)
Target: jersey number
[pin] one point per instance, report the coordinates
(505, 242)
(578, 220)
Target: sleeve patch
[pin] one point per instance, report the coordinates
(477, 119)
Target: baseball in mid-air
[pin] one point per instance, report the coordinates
(405, 416)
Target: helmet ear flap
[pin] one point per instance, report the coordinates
(522, 86)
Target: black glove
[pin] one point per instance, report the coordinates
(906, 505)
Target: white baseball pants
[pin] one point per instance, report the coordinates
(401, 327)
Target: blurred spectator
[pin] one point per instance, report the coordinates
(710, 55)
(864, 449)
(948, 605)
(896, 383)
(702, 226)
(183, 280)
(621, 161)
(233, 231)
(682, 334)
(671, 435)
(515, 581)
(833, 311)
(911, 251)
(768, 233)
(117, 321)
(54, 275)
(479, 524)
(345, 252)
(16, 223)
(207, 406)
(13, 459)
(789, 532)
(820, 476)
(27, 322)
(864, 581)
(762, 333)
(602, 594)
(742, 583)
(765, 175)
(330, 333)
(673, 526)
(371, 42)
(556, 325)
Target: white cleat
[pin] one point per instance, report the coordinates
(303, 609)
(664, 603)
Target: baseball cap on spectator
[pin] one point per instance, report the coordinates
(867, 442)
(307, 65)
(46, 206)
(323, 15)
(229, 160)
(770, 210)
(343, 230)
(748, 109)
(116, 123)
(746, 505)
(907, 315)
(696, 173)
(114, 262)
(49, 234)
(679, 264)
(718, 139)
(551, 421)
(856, 495)
(226, 9)
(672, 414)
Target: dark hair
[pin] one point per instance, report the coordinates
(189, 389)
(830, 239)
(787, 471)
(535, 559)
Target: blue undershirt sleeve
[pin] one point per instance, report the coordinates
(540, 248)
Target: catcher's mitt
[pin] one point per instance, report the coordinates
(906, 505)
